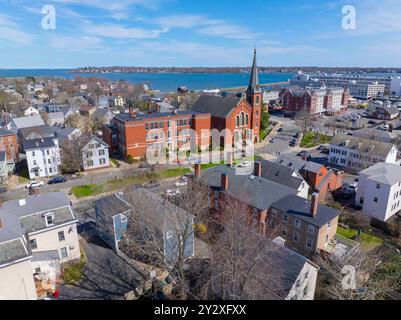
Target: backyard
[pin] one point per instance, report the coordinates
(368, 241)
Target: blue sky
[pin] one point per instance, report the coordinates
(199, 33)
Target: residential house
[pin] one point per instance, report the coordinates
(25, 122)
(386, 113)
(16, 277)
(7, 166)
(9, 144)
(116, 101)
(31, 111)
(306, 226)
(87, 110)
(113, 219)
(103, 116)
(95, 153)
(357, 153)
(389, 136)
(37, 235)
(379, 191)
(64, 134)
(69, 111)
(239, 116)
(319, 177)
(43, 157)
(55, 118)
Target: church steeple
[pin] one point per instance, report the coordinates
(254, 86)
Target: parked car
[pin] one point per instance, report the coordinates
(303, 153)
(280, 130)
(152, 184)
(182, 182)
(173, 193)
(34, 184)
(272, 140)
(3, 189)
(371, 122)
(144, 165)
(56, 180)
(293, 143)
(245, 164)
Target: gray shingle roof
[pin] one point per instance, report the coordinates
(26, 122)
(217, 106)
(300, 208)
(32, 213)
(281, 174)
(386, 173)
(12, 227)
(5, 132)
(38, 144)
(296, 163)
(257, 192)
(12, 251)
(375, 134)
(45, 255)
(362, 144)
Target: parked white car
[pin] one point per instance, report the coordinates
(173, 193)
(182, 182)
(34, 184)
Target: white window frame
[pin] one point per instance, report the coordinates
(47, 222)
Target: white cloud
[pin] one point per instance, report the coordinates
(10, 32)
(121, 32)
(112, 5)
(76, 43)
(206, 26)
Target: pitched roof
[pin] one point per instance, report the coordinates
(38, 143)
(5, 132)
(217, 106)
(386, 173)
(375, 134)
(296, 163)
(300, 208)
(281, 174)
(362, 144)
(26, 122)
(257, 192)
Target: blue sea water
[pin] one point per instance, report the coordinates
(159, 81)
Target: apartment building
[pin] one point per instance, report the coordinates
(315, 101)
(356, 154)
(306, 226)
(138, 133)
(379, 191)
(43, 157)
(9, 144)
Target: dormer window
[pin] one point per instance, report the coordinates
(49, 219)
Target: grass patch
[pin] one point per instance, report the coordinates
(313, 139)
(74, 272)
(87, 190)
(115, 163)
(113, 185)
(264, 134)
(368, 241)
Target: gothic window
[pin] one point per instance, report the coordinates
(242, 118)
(237, 121)
(247, 119)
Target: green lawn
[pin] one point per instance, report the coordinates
(115, 163)
(264, 134)
(112, 185)
(367, 240)
(313, 139)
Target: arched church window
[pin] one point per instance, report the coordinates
(247, 119)
(237, 121)
(242, 118)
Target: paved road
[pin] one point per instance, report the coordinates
(106, 275)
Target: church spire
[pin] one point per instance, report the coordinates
(254, 81)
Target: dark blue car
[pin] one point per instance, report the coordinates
(56, 180)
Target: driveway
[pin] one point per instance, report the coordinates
(106, 275)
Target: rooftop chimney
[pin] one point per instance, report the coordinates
(198, 170)
(390, 128)
(258, 169)
(315, 204)
(224, 181)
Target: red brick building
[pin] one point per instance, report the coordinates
(134, 134)
(317, 101)
(8, 143)
(241, 116)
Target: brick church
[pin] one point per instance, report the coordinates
(241, 116)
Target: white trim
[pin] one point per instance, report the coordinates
(53, 227)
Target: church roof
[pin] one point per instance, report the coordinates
(254, 86)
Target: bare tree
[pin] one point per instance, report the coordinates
(360, 275)
(304, 120)
(161, 233)
(72, 157)
(243, 263)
